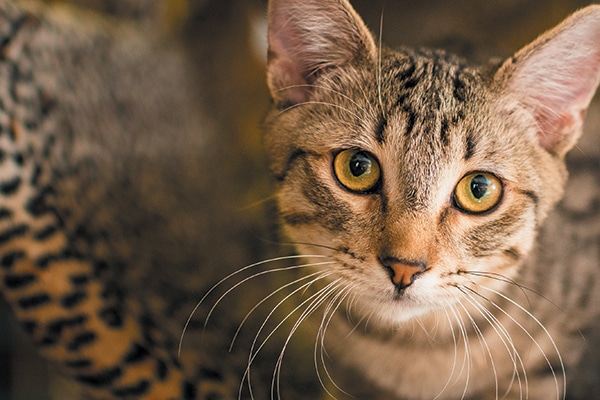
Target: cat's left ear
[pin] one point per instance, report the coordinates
(556, 76)
(307, 37)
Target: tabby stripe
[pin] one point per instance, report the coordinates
(380, 129)
(470, 143)
(459, 91)
(296, 219)
(444, 132)
(295, 155)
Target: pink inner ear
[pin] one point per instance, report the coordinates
(307, 37)
(287, 82)
(556, 77)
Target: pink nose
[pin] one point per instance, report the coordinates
(403, 273)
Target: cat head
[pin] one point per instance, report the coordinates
(416, 173)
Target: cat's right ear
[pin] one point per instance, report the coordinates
(307, 37)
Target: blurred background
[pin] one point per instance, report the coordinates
(225, 42)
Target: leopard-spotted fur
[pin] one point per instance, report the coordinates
(70, 91)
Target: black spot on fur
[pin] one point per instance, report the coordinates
(136, 354)
(79, 280)
(11, 233)
(29, 326)
(82, 363)
(189, 391)
(5, 213)
(161, 370)
(84, 339)
(138, 389)
(19, 281)
(112, 317)
(104, 378)
(57, 327)
(46, 232)
(36, 300)
(10, 187)
(73, 299)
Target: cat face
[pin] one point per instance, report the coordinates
(419, 176)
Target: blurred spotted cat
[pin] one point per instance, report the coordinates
(418, 191)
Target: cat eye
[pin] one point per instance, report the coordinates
(478, 192)
(357, 170)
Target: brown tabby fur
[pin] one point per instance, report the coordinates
(477, 322)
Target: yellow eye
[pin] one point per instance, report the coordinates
(358, 171)
(478, 192)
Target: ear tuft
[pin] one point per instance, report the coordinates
(307, 37)
(556, 76)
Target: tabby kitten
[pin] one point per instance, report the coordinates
(416, 185)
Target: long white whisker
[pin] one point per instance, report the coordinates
(317, 300)
(467, 356)
(324, 103)
(455, 360)
(266, 298)
(215, 286)
(505, 338)
(254, 350)
(379, 65)
(546, 332)
(337, 92)
(328, 315)
(483, 341)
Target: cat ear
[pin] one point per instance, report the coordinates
(307, 37)
(556, 76)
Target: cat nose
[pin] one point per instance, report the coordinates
(403, 273)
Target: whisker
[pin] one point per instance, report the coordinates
(323, 103)
(523, 288)
(467, 360)
(505, 338)
(328, 315)
(337, 92)
(316, 301)
(266, 298)
(233, 274)
(455, 359)
(254, 350)
(379, 63)
(544, 329)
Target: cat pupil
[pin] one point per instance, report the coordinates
(359, 164)
(479, 186)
